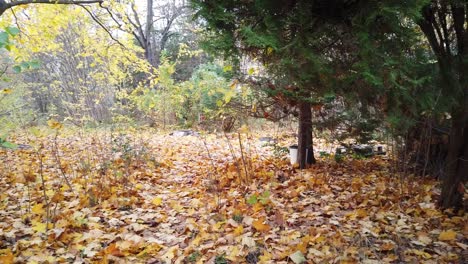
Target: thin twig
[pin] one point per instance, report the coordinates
(59, 162)
(242, 156)
(44, 192)
(236, 162)
(102, 26)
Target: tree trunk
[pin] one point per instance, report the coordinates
(305, 136)
(456, 171)
(150, 52)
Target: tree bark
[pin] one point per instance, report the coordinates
(456, 171)
(149, 48)
(305, 141)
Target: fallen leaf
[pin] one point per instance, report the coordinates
(297, 257)
(39, 226)
(239, 230)
(157, 201)
(248, 241)
(447, 235)
(38, 209)
(260, 226)
(387, 246)
(420, 253)
(265, 258)
(6, 256)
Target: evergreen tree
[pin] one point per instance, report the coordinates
(295, 41)
(393, 36)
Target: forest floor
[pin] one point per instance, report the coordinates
(152, 198)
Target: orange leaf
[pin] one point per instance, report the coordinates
(113, 250)
(260, 226)
(387, 246)
(6, 256)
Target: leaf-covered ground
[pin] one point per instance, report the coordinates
(147, 198)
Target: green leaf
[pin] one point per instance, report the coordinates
(35, 64)
(25, 65)
(12, 31)
(8, 145)
(264, 197)
(17, 69)
(4, 39)
(252, 199)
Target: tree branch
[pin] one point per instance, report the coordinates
(102, 25)
(7, 5)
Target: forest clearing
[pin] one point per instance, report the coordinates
(233, 131)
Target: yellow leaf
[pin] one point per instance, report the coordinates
(269, 50)
(302, 246)
(254, 108)
(6, 91)
(234, 253)
(421, 253)
(39, 226)
(447, 235)
(218, 225)
(244, 129)
(227, 68)
(234, 84)
(239, 230)
(38, 209)
(265, 258)
(157, 201)
(196, 242)
(54, 124)
(260, 226)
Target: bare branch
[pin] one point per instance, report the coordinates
(102, 25)
(7, 5)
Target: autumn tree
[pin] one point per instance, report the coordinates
(83, 73)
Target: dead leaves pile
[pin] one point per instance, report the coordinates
(157, 199)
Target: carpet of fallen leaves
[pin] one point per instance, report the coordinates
(152, 198)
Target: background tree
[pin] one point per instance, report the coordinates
(152, 24)
(82, 70)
